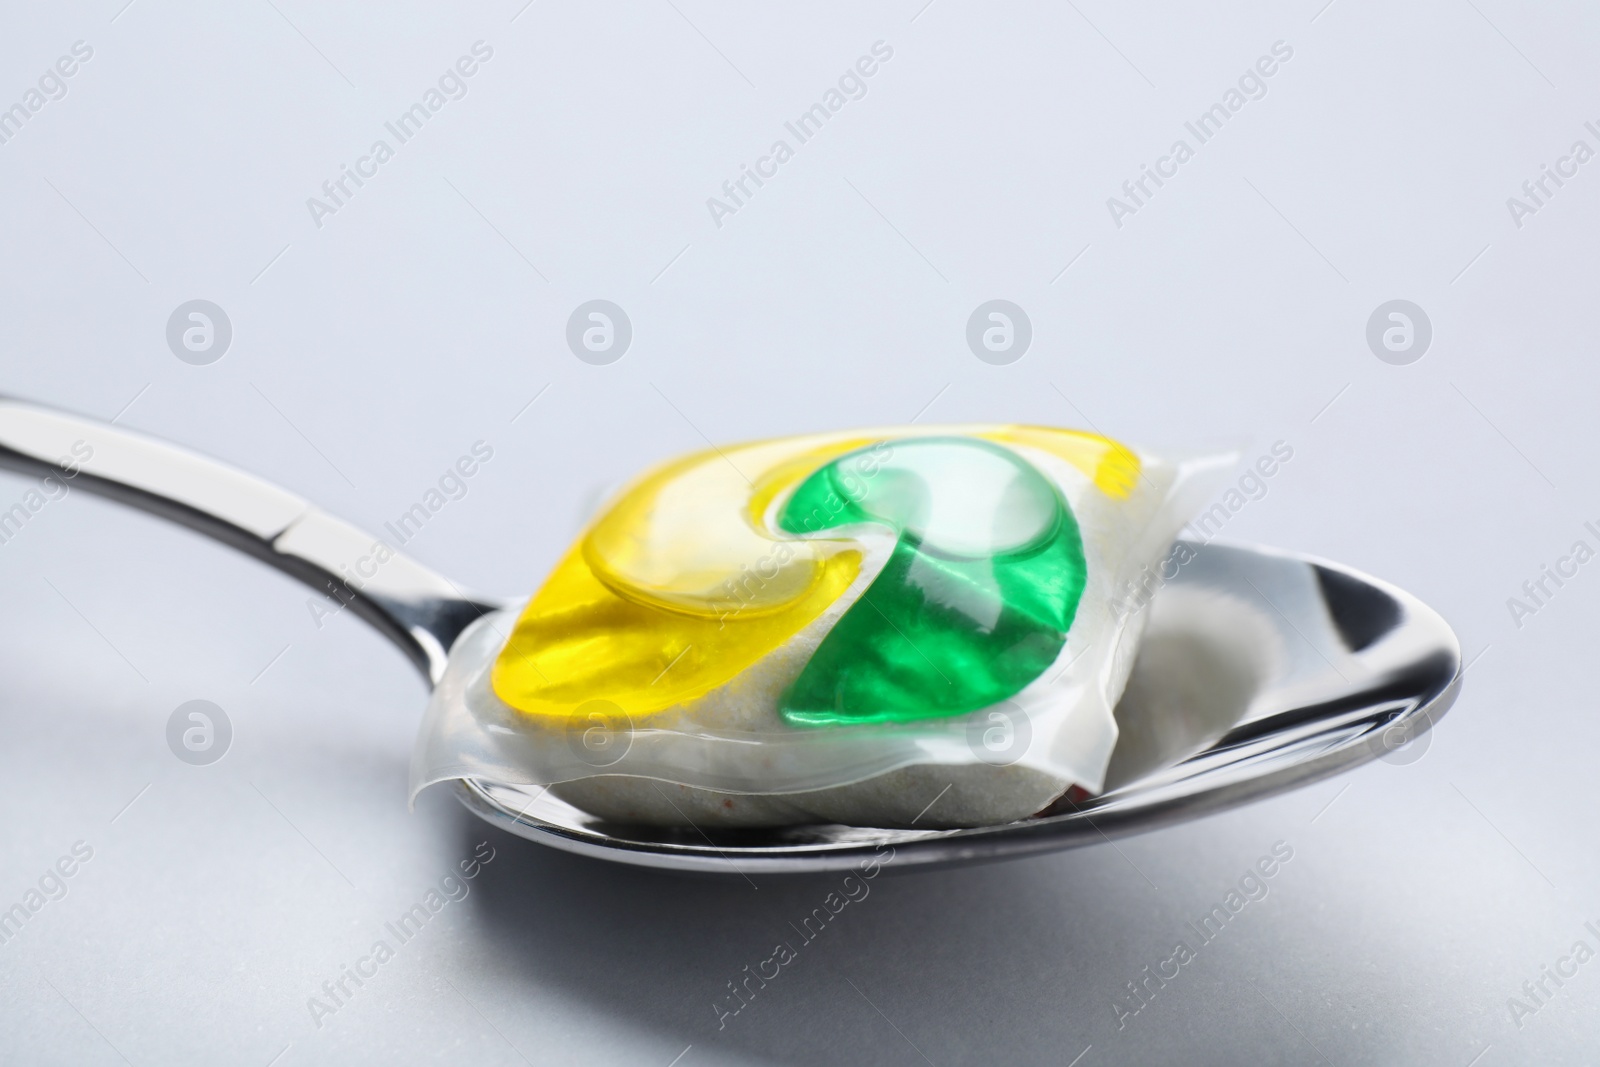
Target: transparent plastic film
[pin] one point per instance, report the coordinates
(823, 628)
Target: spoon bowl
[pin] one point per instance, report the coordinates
(1260, 670)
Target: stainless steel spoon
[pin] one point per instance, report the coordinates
(1261, 670)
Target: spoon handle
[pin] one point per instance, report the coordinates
(419, 610)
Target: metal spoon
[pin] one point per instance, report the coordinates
(1260, 671)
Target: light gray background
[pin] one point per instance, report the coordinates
(370, 353)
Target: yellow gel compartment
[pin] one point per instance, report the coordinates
(680, 585)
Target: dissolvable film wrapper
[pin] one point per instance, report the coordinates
(807, 613)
